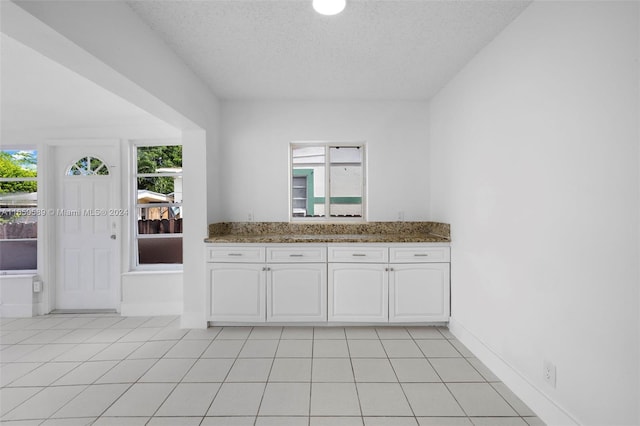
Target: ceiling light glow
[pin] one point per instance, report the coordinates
(329, 7)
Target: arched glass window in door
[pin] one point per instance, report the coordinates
(88, 166)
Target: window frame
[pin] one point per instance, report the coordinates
(38, 208)
(134, 255)
(327, 145)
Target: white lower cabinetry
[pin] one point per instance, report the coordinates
(290, 287)
(367, 283)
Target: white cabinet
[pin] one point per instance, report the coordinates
(368, 283)
(296, 283)
(359, 254)
(297, 292)
(358, 292)
(363, 287)
(418, 292)
(257, 284)
(419, 254)
(419, 283)
(237, 292)
(241, 254)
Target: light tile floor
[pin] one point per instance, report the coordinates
(110, 370)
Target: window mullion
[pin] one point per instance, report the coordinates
(19, 179)
(327, 183)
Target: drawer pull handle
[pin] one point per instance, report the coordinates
(421, 254)
(234, 254)
(296, 255)
(359, 254)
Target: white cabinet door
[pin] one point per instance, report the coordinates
(358, 292)
(419, 292)
(297, 292)
(237, 292)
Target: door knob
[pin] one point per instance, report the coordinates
(113, 236)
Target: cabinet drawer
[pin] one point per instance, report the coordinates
(362, 254)
(296, 254)
(418, 254)
(235, 254)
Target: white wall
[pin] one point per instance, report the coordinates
(535, 165)
(255, 153)
(16, 296)
(82, 36)
(152, 293)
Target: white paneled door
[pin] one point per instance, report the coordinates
(87, 218)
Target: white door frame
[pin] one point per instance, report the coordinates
(50, 226)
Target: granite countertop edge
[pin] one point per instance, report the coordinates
(337, 238)
(366, 232)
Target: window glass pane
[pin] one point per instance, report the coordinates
(18, 255)
(159, 250)
(308, 155)
(88, 166)
(160, 159)
(18, 210)
(159, 204)
(19, 195)
(18, 163)
(159, 220)
(160, 189)
(346, 181)
(308, 184)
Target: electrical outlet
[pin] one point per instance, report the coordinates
(401, 216)
(549, 373)
(249, 217)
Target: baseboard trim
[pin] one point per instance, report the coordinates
(548, 410)
(84, 311)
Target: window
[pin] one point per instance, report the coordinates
(158, 226)
(18, 210)
(88, 166)
(327, 181)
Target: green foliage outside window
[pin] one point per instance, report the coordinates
(16, 167)
(152, 158)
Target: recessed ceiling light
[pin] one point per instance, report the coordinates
(329, 7)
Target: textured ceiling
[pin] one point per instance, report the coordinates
(282, 49)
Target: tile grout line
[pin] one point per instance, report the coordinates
(313, 335)
(182, 339)
(394, 372)
(353, 371)
(264, 391)
(88, 383)
(137, 381)
(440, 377)
(128, 387)
(224, 379)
